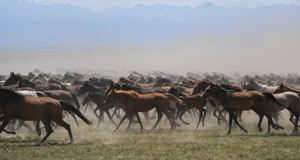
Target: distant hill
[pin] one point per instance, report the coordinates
(28, 24)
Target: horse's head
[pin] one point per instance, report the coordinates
(280, 88)
(82, 89)
(173, 91)
(87, 98)
(209, 91)
(12, 79)
(200, 86)
(110, 96)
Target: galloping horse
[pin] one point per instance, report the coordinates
(239, 101)
(135, 102)
(17, 106)
(252, 85)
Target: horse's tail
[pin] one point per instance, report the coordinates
(75, 99)
(277, 115)
(68, 107)
(173, 98)
(270, 96)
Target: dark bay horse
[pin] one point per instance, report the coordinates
(17, 106)
(239, 101)
(135, 102)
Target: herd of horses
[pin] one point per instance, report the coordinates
(50, 98)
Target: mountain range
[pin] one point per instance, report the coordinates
(25, 23)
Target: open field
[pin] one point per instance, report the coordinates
(183, 143)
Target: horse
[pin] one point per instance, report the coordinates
(260, 87)
(97, 98)
(126, 87)
(88, 87)
(285, 88)
(199, 87)
(239, 101)
(135, 102)
(194, 101)
(17, 106)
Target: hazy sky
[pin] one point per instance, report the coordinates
(100, 5)
(276, 52)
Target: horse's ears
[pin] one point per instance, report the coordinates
(111, 84)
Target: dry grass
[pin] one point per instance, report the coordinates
(184, 143)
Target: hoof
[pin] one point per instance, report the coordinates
(69, 142)
(245, 130)
(260, 129)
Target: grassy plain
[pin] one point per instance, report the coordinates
(183, 143)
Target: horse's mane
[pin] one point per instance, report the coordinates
(230, 87)
(11, 93)
(126, 87)
(226, 90)
(199, 82)
(132, 93)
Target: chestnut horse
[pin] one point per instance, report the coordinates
(17, 106)
(135, 102)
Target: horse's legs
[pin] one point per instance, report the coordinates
(296, 123)
(22, 123)
(95, 112)
(130, 118)
(220, 115)
(261, 117)
(200, 117)
(101, 115)
(26, 126)
(169, 116)
(159, 116)
(139, 120)
(204, 111)
(38, 128)
(230, 124)
(237, 122)
(179, 110)
(238, 114)
(75, 119)
(62, 123)
(109, 116)
(291, 118)
(180, 117)
(4, 123)
(146, 114)
(47, 124)
(122, 120)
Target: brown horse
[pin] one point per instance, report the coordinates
(199, 87)
(17, 106)
(194, 101)
(239, 101)
(135, 102)
(64, 96)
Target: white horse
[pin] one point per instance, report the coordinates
(252, 85)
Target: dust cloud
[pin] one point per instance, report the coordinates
(276, 52)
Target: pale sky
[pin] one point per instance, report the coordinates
(100, 5)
